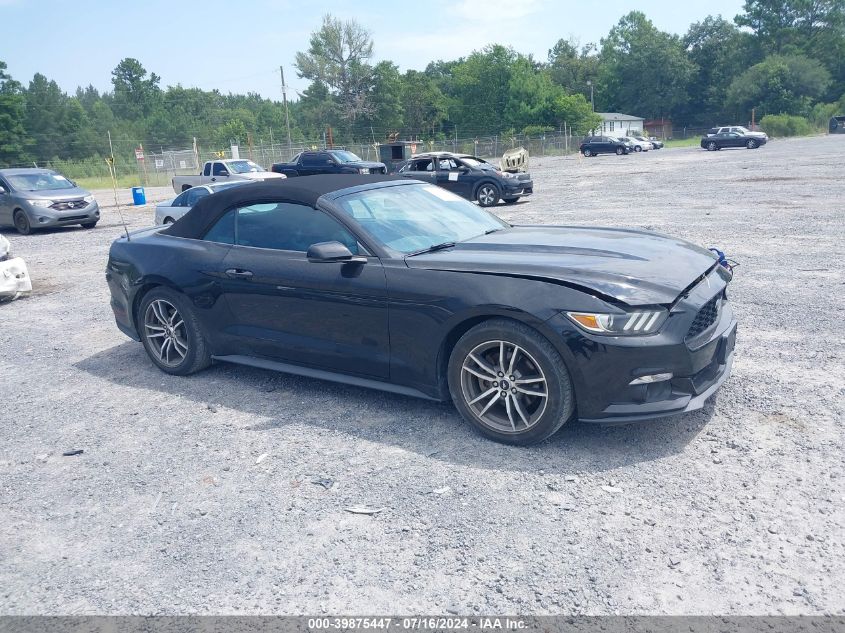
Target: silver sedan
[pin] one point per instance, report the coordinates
(171, 210)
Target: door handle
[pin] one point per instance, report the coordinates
(239, 273)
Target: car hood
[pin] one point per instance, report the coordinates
(634, 267)
(59, 195)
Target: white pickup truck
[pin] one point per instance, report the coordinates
(224, 171)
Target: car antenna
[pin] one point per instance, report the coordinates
(110, 161)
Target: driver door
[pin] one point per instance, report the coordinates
(219, 173)
(328, 315)
(454, 176)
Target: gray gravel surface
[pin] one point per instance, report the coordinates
(198, 495)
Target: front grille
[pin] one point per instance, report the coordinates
(706, 317)
(73, 218)
(69, 204)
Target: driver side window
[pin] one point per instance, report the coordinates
(219, 169)
(281, 226)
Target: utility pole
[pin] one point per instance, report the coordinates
(592, 103)
(287, 115)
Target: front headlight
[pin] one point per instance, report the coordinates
(89, 199)
(628, 324)
(42, 203)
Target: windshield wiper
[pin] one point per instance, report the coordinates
(431, 249)
(489, 231)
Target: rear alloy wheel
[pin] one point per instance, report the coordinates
(487, 195)
(588, 152)
(637, 148)
(712, 147)
(171, 333)
(22, 223)
(751, 144)
(619, 151)
(510, 382)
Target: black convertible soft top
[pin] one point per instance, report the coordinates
(303, 190)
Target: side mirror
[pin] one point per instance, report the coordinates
(463, 170)
(2, 190)
(333, 252)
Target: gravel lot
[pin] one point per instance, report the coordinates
(197, 495)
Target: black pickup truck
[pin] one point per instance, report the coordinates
(329, 161)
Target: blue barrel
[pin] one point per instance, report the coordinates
(138, 196)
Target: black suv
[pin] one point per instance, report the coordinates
(330, 161)
(469, 177)
(595, 145)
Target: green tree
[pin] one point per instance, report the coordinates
(779, 85)
(571, 69)
(480, 86)
(576, 112)
(643, 70)
(386, 111)
(423, 103)
(720, 52)
(13, 136)
(135, 94)
(530, 96)
(815, 28)
(337, 58)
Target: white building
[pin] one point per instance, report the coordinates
(617, 124)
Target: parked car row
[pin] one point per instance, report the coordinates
(619, 145)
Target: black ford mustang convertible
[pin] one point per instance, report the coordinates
(399, 285)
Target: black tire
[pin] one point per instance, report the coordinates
(22, 223)
(186, 328)
(620, 151)
(751, 144)
(637, 148)
(487, 194)
(169, 220)
(712, 146)
(541, 417)
(588, 152)
(510, 200)
(185, 187)
(89, 225)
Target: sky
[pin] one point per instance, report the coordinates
(238, 45)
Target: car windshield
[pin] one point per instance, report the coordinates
(412, 218)
(39, 181)
(345, 157)
(476, 162)
(243, 166)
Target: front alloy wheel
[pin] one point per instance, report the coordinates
(504, 386)
(751, 144)
(711, 146)
(509, 382)
(487, 195)
(22, 223)
(619, 151)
